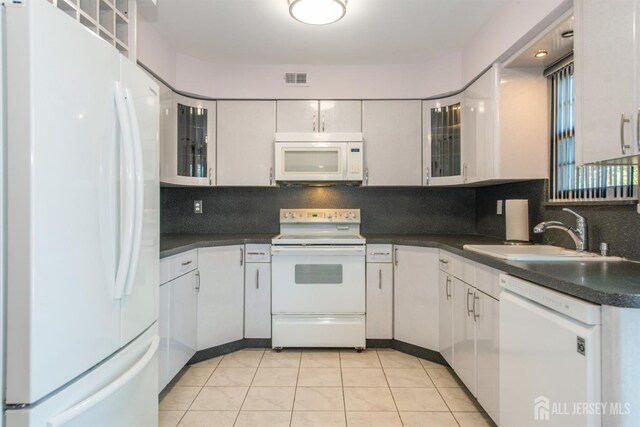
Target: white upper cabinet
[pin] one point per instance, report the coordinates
(606, 47)
(442, 151)
(187, 142)
(245, 143)
(496, 130)
(319, 116)
(392, 142)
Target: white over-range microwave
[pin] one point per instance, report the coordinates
(318, 157)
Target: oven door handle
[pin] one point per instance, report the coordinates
(323, 251)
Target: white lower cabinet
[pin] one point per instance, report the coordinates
(464, 334)
(379, 300)
(184, 304)
(470, 314)
(257, 300)
(445, 305)
(415, 301)
(163, 331)
(221, 296)
(177, 316)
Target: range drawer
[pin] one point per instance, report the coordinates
(258, 252)
(379, 253)
(177, 265)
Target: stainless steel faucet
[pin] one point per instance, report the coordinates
(578, 234)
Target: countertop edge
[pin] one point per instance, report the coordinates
(549, 281)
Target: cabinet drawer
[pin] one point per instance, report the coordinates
(379, 253)
(258, 253)
(488, 280)
(177, 265)
(446, 262)
(464, 270)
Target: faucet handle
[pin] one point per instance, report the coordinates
(578, 217)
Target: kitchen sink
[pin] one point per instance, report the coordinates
(536, 253)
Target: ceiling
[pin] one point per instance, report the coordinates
(553, 42)
(372, 32)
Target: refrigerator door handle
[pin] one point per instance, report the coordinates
(126, 245)
(79, 408)
(139, 192)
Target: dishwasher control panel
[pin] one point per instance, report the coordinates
(575, 308)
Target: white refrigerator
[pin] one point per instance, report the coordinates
(82, 221)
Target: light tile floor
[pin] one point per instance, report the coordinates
(308, 388)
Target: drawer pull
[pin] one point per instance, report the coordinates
(379, 253)
(257, 253)
(184, 264)
(444, 261)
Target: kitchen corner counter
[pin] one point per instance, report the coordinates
(608, 283)
(615, 283)
(173, 244)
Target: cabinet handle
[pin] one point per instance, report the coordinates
(469, 310)
(314, 122)
(379, 253)
(257, 253)
(257, 279)
(638, 130)
(380, 279)
(396, 256)
(323, 123)
(475, 298)
(184, 264)
(210, 176)
(270, 176)
(444, 261)
(446, 287)
(366, 176)
(241, 257)
(427, 174)
(622, 144)
(197, 280)
(464, 172)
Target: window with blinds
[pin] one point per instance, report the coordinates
(571, 183)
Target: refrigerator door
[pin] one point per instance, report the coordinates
(63, 174)
(120, 392)
(140, 301)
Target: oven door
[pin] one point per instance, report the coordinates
(318, 280)
(311, 161)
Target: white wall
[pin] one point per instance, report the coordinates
(509, 30)
(155, 52)
(197, 76)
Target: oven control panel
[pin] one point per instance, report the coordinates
(320, 216)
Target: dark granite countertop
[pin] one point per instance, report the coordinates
(608, 283)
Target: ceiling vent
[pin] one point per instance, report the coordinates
(296, 79)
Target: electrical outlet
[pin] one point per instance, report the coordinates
(499, 207)
(197, 206)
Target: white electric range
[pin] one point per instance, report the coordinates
(318, 279)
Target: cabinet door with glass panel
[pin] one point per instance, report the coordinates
(442, 152)
(188, 143)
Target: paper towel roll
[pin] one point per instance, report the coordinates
(517, 219)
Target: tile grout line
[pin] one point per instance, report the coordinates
(248, 388)
(344, 400)
(390, 391)
(295, 390)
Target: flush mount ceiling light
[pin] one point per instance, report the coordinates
(540, 53)
(317, 12)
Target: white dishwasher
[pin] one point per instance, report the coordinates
(549, 357)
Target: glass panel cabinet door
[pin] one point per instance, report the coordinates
(188, 142)
(192, 141)
(442, 154)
